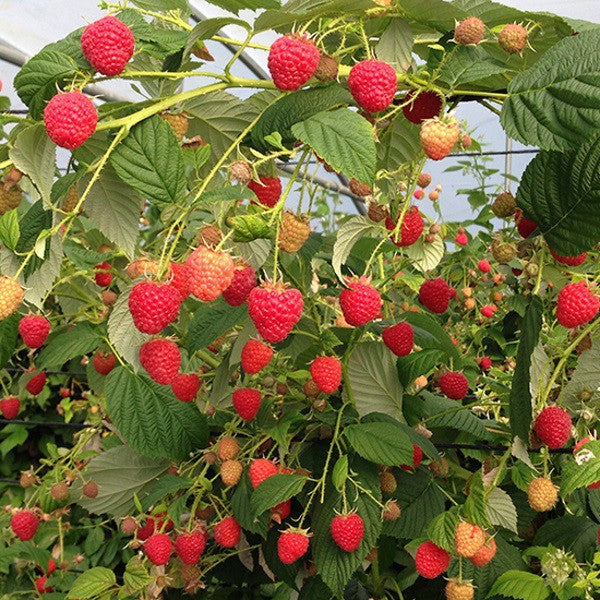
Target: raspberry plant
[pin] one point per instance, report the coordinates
(257, 395)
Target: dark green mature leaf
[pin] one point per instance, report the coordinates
(468, 64)
(418, 363)
(430, 334)
(521, 585)
(573, 533)
(274, 490)
(382, 442)
(293, 108)
(235, 6)
(150, 160)
(9, 332)
(151, 419)
(120, 473)
(395, 45)
(344, 139)
(211, 320)
(242, 509)
(64, 346)
(92, 583)
(399, 144)
(561, 193)
(167, 484)
(576, 476)
(554, 104)
(442, 528)
(36, 82)
(520, 395)
(206, 28)
(35, 220)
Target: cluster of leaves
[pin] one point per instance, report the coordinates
(141, 194)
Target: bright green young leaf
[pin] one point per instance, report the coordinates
(340, 472)
(250, 227)
(9, 229)
(343, 139)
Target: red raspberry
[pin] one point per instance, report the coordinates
(151, 525)
(484, 266)
(553, 427)
(485, 363)
(420, 107)
(185, 387)
(292, 61)
(153, 306)
(104, 362)
(267, 190)
(292, 545)
(576, 305)
(227, 532)
(372, 84)
(411, 229)
(399, 338)
(438, 136)
(525, 227)
(454, 385)
(487, 552)
(34, 330)
(487, 311)
(209, 272)
(41, 587)
(70, 119)
(24, 524)
(468, 539)
(417, 458)
(51, 567)
(571, 261)
(189, 547)
(36, 384)
(275, 310)
(255, 356)
(107, 45)
(462, 239)
(360, 302)
(161, 359)
(158, 548)
(244, 280)
(326, 372)
(261, 469)
(246, 402)
(179, 280)
(435, 294)
(10, 406)
(431, 560)
(347, 531)
(281, 511)
(103, 277)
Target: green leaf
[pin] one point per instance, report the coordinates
(274, 490)
(293, 108)
(426, 256)
(206, 28)
(374, 381)
(344, 139)
(243, 511)
(561, 193)
(114, 209)
(382, 443)
(442, 528)
(468, 64)
(163, 5)
(554, 104)
(395, 45)
(92, 583)
(430, 334)
(340, 472)
(352, 230)
(500, 510)
(585, 377)
(136, 575)
(520, 395)
(520, 585)
(418, 363)
(69, 344)
(572, 533)
(576, 476)
(211, 319)
(120, 474)
(151, 419)
(42, 279)
(167, 484)
(235, 6)
(36, 82)
(9, 229)
(399, 143)
(247, 228)
(35, 220)
(34, 154)
(9, 332)
(150, 160)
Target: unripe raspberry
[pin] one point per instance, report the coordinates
(553, 427)
(373, 85)
(459, 590)
(513, 38)
(431, 560)
(469, 31)
(60, 491)
(311, 389)
(360, 189)
(424, 180)
(376, 212)
(438, 136)
(9, 199)
(210, 236)
(227, 448)
(487, 552)
(27, 479)
(231, 472)
(178, 122)
(11, 296)
(90, 489)
(12, 178)
(387, 482)
(240, 171)
(392, 511)
(503, 252)
(129, 525)
(327, 68)
(292, 61)
(293, 232)
(468, 539)
(70, 119)
(209, 273)
(504, 205)
(107, 45)
(542, 494)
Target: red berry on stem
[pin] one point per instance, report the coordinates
(292, 61)
(326, 372)
(372, 84)
(255, 356)
(161, 359)
(237, 292)
(185, 386)
(399, 338)
(153, 306)
(107, 45)
(267, 190)
(158, 548)
(246, 402)
(347, 531)
(431, 560)
(454, 385)
(360, 302)
(34, 330)
(420, 106)
(553, 427)
(227, 532)
(292, 545)
(70, 119)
